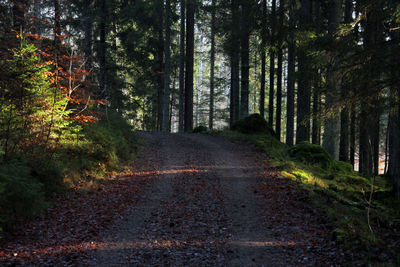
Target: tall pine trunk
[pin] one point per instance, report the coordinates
(57, 23)
(272, 66)
(332, 123)
(370, 111)
(167, 63)
(291, 77)
(234, 50)
(103, 49)
(316, 121)
(278, 122)
(263, 56)
(182, 67)
(353, 123)
(212, 63)
(190, 12)
(396, 172)
(88, 35)
(37, 10)
(19, 10)
(394, 124)
(304, 84)
(344, 115)
(244, 54)
(160, 66)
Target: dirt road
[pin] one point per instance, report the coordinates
(214, 203)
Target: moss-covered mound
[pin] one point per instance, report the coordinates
(254, 123)
(200, 129)
(311, 154)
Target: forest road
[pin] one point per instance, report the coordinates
(203, 209)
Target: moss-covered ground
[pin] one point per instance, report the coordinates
(361, 209)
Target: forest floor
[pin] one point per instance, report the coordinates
(191, 199)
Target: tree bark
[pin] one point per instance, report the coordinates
(103, 49)
(272, 67)
(37, 10)
(19, 10)
(212, 63)
(304, 85)
(352, 134)
(182, 67)
(278, 122)
(394, 124)
(263, 56)
(244, 53)
(88, 34)
(167, 63)
(291, 78)
(332, 124)
(396, 173)
(234, 63)
(57, 24)
(160, 67)
(190, 12)
(344, 115)
(316, 121)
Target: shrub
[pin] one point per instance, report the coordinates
(254, 123)
(21, 196)
(48, 173)
(343, 167)
(200, 129)
(311, 154)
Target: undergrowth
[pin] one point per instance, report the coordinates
(337, 190)
(29, 183)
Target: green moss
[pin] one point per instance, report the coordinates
(311, 154)
(253, 124)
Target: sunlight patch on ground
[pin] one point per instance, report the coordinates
(136, 244)
(265, 243)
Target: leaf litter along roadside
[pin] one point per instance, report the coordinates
(65, 233)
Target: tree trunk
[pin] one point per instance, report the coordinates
(278, 122)
(316, 122)
(57, 25)
(244, 53)
(272, 67)
(167, 63)
(212, 58)
(19, 10)
(37, 10)
(344, 115)
(263, 59)
(103, 50)
(182, 67)
(316, 125)
(370, 111)
(88, 34)
(396, 172)
(160, 67)
(394, 124)
(304, 85)
(234, 63)
(191, 6)
(332, 124)
(352, 134)
(375, 142)
(291, 77)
